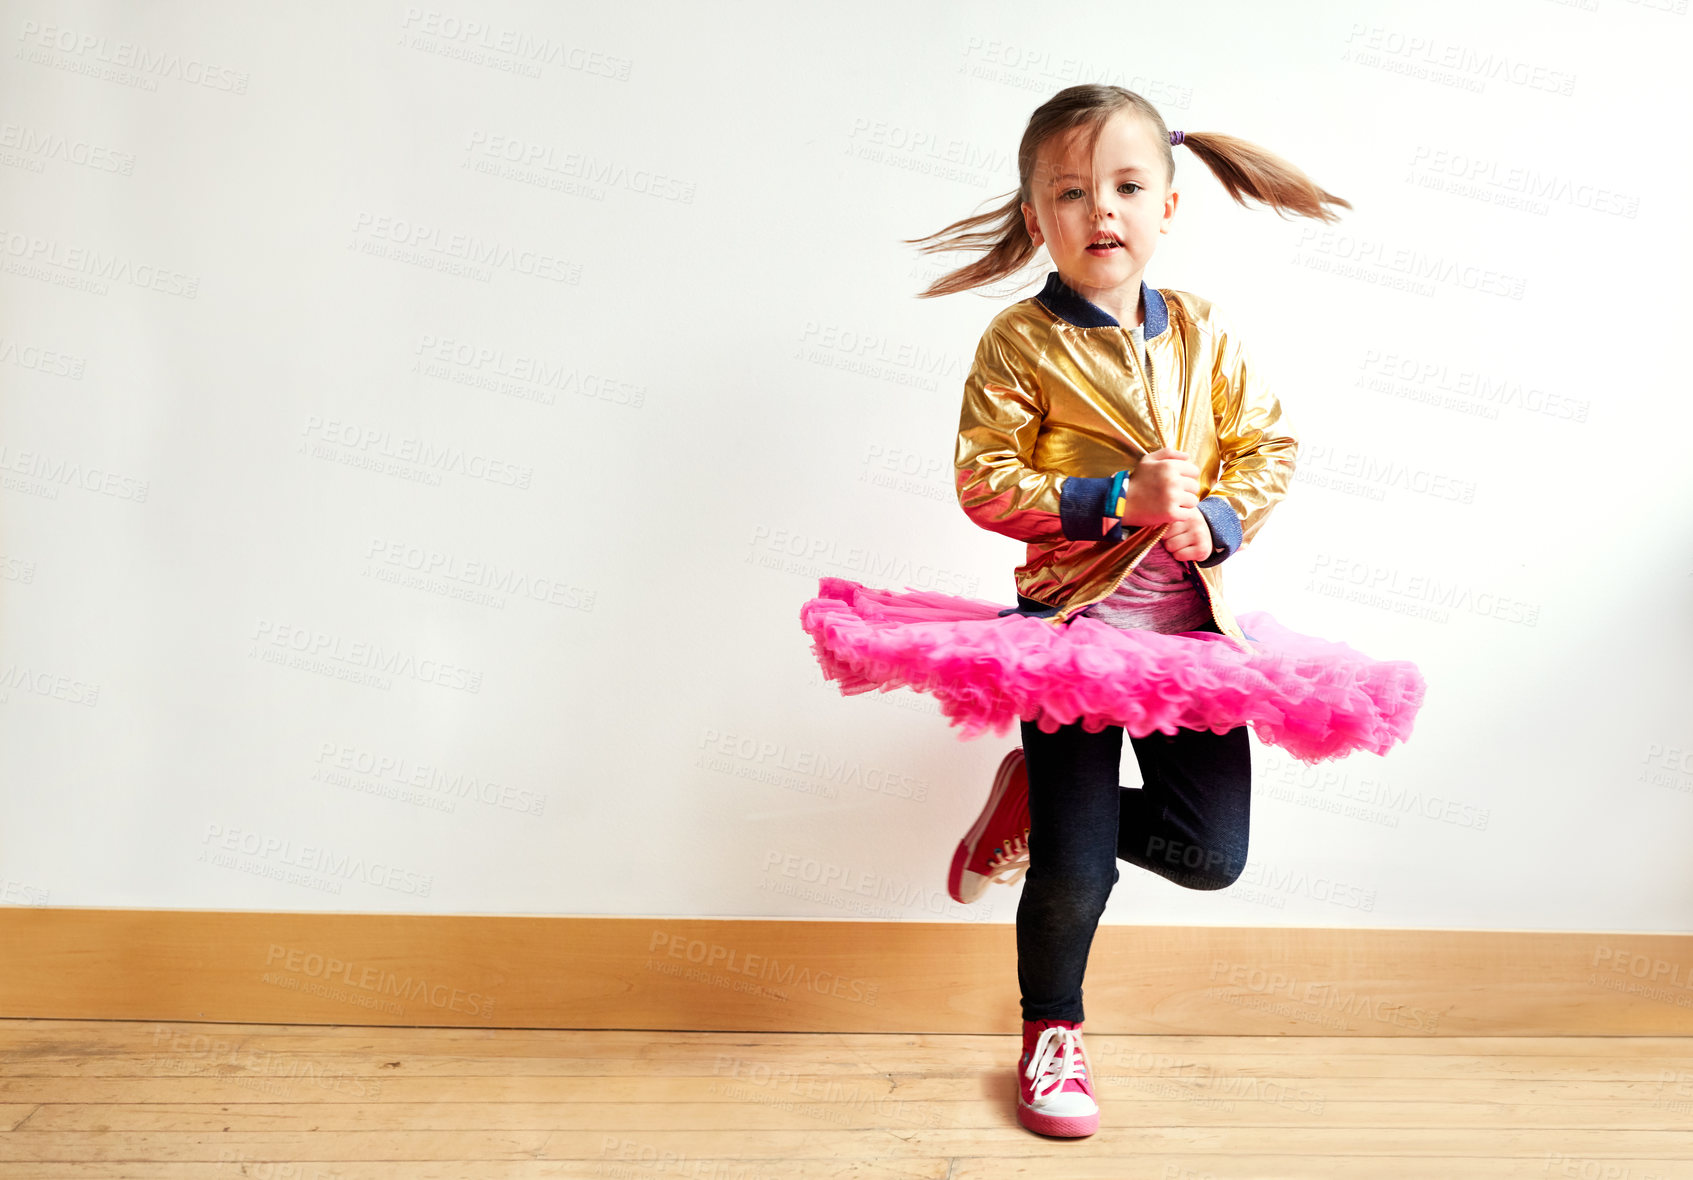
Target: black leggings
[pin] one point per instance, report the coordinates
(1187, 824)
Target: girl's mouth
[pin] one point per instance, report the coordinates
(1104, 247)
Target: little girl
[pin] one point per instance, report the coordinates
(1122, 432)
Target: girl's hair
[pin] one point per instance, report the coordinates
(1245, 169)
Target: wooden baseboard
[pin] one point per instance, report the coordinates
(826, 976)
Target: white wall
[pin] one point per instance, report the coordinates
(521, 515)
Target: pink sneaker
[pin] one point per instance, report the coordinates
(997, 847)
(1054, 1092)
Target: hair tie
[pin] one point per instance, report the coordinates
(1175, 138)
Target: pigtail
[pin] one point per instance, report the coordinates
(1005, 239)
(1248, 171)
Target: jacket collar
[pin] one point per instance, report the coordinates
(1061, 300)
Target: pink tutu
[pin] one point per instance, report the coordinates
(1314, 698)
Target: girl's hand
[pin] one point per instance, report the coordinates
(1189, 538)
(1164, 487)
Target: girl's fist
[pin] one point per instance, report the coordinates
(1189, 538)
(1163, 488)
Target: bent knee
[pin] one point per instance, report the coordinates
(1219, 878)
(1194, 866)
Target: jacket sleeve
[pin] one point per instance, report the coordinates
(998, 487)
(1257, 446)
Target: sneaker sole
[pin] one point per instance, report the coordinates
(955, 882)
(1068, 1126)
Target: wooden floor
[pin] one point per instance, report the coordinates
(97, 1099)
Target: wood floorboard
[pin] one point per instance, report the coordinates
(103, 1099)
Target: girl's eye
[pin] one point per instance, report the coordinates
(1071, 194)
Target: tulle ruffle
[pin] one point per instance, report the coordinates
(1314, 698)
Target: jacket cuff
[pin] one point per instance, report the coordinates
(1081, 507)
(1225, 528)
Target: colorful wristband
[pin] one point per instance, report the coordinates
(1114, 505)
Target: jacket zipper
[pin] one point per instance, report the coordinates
(1069, 612)
(1064, 615)
(1205, 587)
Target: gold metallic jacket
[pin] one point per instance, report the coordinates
(1056, 403)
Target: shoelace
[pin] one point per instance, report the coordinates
(1057, 1058)
(1010, 863)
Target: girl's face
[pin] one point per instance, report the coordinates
(1118, 197)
